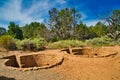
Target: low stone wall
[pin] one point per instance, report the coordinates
(93, 52)
(33, 61)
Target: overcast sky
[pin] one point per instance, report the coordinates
(26, 11)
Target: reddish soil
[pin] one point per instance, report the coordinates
(74, 67)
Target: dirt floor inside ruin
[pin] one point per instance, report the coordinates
(103, 64)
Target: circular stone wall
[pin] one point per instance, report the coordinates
(33, 61)
(93, 52)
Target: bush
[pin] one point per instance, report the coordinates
(7, 42)
(66, 44)
(39, 43)
(31, 44)
(18, 44)
(117, 42)
(103, 41)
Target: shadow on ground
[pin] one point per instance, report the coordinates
(6, 78)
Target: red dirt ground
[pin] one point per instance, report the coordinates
(74, 67)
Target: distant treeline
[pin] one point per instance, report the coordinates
(65, 24)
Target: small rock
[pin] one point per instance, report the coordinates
(20, 69)
(35, 68)
(95, 56)
(24, 70)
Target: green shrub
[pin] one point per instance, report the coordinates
(31, 44)
(39, 43)
(66, 44)
(103, 41)
(54, 39)
(18, 44)
(7, 42)
(117, 42)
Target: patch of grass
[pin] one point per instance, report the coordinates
(96, 42)
(66, 44)
(102, 41)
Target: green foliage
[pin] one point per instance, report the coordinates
(64, 22)
(19, 44)
(64, 26)
(100, 29)
(83, 32)
(54, 38)
(115, 35)
(15, 31)
(117, 42)
(39, 43)
(102, 41)
(31, 44)
(34, 29)
(114, 24)
(66, 44)
(7, 42)
(2, 31)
